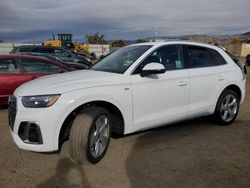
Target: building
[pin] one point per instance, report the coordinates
(245, 49)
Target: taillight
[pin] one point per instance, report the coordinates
(245, 69)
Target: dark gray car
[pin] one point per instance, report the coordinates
(58, 52)
(73, 65)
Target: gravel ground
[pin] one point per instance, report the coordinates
(194, 153)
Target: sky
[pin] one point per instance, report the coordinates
(37, 20)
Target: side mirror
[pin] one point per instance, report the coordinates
(101, 57)
(152, 68)
(61, 70)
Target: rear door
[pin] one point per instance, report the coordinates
(207, 75)
(10, 78)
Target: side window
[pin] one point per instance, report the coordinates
(35, 66)
(42, 50)
(59, 52)
(199, 57)
(169, 56)
(26, 49)
(217, 58)
(8, 66)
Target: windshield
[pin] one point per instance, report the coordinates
(120, 60)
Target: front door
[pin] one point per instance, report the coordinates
(161, 98)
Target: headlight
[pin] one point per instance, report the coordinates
(40, 101)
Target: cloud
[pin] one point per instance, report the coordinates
(38, 20)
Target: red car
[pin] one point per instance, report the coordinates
(18, 69)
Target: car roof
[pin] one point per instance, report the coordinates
(38, 46)
(21, 56)
(158, 44)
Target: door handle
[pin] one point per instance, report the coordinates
(221, 78)
(182, 83)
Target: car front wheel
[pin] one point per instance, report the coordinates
(90, 135)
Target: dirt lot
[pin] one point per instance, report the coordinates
(190, 154)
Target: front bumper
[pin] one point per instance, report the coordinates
(34, 129)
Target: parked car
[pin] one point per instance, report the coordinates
(58, 52)
(75, 66)
(18, 69)
(248, 59)
(135, 88)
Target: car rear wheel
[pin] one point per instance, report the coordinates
(227, 107)
(90, 135)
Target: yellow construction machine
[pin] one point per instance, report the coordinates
(65, 40)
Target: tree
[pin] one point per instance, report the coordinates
(96, 39)
(1, 41)
(118, 43)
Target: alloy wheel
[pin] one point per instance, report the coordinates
(99, 136)
(229, 107)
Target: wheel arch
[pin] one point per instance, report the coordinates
(117, 119)
(236, 89)
(233, 87)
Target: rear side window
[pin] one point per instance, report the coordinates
(203, 57)
(26, 49)
(8, 66)
(62, 53)
(44, 50)
(58, 51)
(199, 57)
(217, 58)
(35, 66)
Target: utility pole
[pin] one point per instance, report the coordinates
(156, 32)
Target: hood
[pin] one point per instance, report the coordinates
(65, 82)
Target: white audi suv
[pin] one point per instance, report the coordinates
(137, 87)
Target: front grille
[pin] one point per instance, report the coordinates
(12, 109)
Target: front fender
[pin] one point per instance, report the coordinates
(73, 102)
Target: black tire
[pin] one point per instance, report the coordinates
(82, 131)
(219, 115)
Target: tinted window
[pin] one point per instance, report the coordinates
(199, 57)
(58, 51)
(26, 49)
(216, 57)
(169, 56)
(44, 50)
(203, 57)
(34, 66)
(8, 66)
(61, 53)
